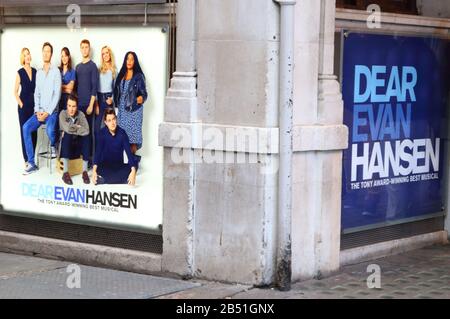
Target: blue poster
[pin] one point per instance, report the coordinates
(396, 97)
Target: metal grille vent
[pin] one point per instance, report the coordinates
(82, 233)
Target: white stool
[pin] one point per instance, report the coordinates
(43, 147)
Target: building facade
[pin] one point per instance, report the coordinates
(254, 138)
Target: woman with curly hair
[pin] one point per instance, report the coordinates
(130, 94)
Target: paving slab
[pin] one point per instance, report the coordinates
(420, 274)
(209, 290)
(95, 283)
(14, 265)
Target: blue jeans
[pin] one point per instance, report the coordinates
(90, 119)
(31, 126)
(25, 114)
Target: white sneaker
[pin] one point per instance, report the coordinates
(30, 169)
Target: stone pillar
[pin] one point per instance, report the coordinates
(319, 138)
(181, 100)
(179, 190)
(235, 202)
(219, 217)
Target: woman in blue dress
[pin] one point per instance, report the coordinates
(130, 94)
(26, 83)
(68, 78)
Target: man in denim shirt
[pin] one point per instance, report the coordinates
(46, 99)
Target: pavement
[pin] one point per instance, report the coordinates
(418, 274)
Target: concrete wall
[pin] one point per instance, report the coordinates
(237, 85)
(434, 8)
(220, 218)
(237, 54)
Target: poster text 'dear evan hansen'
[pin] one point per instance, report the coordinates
(76, 197)
(388, 146)
(396, 92)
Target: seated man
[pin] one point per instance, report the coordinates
(46, 98)
(109, 166)
(75, 138)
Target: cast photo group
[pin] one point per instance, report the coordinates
(78, 107)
